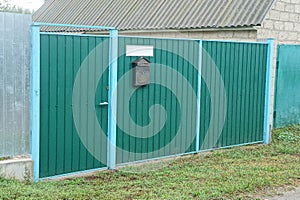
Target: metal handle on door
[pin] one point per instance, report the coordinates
(103, 104)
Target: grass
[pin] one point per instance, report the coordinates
(238, 173)
(3, 158)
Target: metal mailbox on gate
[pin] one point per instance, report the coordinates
(141, 72)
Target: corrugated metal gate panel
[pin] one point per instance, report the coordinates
(180, 56)
(287, 95)
(242, 67)
(14, 84)
(61, 150)
(155, 120)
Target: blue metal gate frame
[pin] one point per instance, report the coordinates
(113, 66)
(35, 92)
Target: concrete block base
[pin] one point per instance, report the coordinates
(17, 168)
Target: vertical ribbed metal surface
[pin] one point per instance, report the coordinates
(287, 95)
(14, 84)
(242, 67)
(155, 120)
(179, 56)
(61, 150)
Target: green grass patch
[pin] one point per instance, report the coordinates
(4, 158)
(237, 173)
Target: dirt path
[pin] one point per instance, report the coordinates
(291, 195)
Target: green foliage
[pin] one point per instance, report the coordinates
(3, 4)
(7, 6)
(288, 137)
(237, 173)
(3, 158)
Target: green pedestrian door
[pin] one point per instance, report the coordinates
(287, 95)
(63, 149)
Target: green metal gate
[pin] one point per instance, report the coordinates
(232, 97)
(61, 148)
(237, 118)
(170, 128)
(287, 95)
(202, 95)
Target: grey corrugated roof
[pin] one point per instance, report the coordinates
(155, 14)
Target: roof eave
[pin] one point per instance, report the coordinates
(204, 29)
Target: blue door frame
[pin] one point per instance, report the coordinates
(35, 91)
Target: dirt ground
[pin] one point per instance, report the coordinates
(290, 195)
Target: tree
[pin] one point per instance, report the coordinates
(7, 6)
(4, 4)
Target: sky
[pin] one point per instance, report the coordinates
(28, 4)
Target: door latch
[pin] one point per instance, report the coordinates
(103, 104)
